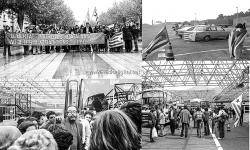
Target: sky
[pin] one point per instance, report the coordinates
(80, 7)
(187, 10)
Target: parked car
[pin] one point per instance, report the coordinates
(206, 33)
(181, 31)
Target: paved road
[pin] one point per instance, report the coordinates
(185, 50)
(80, 64)
(169, 142)
(236, 139)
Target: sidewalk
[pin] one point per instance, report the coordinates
(175, 142)
(14, 51)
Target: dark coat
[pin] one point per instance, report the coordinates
(127, 34)
(80, 130)
(175, 114)
(90, 30)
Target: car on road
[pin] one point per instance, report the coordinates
(206, 33)
(181, 31)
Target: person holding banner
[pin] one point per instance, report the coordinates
(135, 33)
(127, 37)
(86, 30)
(5, 44)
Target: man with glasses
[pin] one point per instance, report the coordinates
(74, 126)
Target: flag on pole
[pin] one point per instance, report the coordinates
(235, 40)
(88, 16)
(157, 43)
(95, 14)
(237, 104)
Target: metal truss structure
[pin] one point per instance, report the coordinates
(122, 93)
(183, 95)
(224, 74)
(39, 90)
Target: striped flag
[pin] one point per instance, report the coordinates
(237, 104)
(235, 40)
(158, 42)
(116, 40)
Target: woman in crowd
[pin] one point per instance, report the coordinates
(162, 123)
(8, 135)
(36, 139)
(114, 130)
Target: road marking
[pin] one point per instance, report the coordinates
(248, 49)
(217, 143)
(200, 52)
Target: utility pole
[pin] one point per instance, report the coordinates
(237, 16)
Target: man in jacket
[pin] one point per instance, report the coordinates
(172, 117)
(74, 126)
(185, 120)
(127, 37)
(87, 30)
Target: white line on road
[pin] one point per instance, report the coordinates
(201, 52)
(206, 52)
(217, 143)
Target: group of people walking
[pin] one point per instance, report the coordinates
(111, 129)
(158, 118)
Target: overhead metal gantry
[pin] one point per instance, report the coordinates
(236, 89)
(122, 93)
(224, 74)
(193, 94)
(38, 89)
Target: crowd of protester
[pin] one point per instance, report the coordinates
(116, 129)
(130, 30)
(159, 117)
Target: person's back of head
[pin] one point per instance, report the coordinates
(26, 125)
(62, 137)
(133, 110)
(114, 130)
(198, 109)
(36, 139)
(8, 135)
